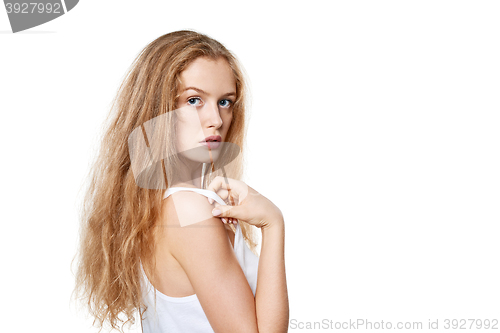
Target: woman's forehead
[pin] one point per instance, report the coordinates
(208, 76)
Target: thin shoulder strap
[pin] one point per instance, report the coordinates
(206, 193)
(238, 240)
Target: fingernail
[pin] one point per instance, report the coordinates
(210, 200)
(216, 212)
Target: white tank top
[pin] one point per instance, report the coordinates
(185, 314)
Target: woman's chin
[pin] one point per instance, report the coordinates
(201, 156)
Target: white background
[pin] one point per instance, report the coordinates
(374, 127)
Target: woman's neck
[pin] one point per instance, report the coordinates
(193, 180)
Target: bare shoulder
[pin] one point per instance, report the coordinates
(199, 242)
(188, 219)
(187, 208)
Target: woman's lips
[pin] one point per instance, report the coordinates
(211, 144)
(212, 138)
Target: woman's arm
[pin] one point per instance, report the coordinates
(271, 296)
(205, 253)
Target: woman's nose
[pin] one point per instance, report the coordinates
(212, 114)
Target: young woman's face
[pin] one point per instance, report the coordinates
(205, 106)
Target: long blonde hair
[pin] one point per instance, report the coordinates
(118, 217)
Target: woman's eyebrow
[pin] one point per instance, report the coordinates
(204, 92)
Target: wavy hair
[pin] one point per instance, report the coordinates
(118, 217)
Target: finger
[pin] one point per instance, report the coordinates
(228, 211)
(217, 184)
(223, 194)
(232, 198)
(221, 186)
(226, 188)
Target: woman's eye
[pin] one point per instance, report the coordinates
(193, 99)
(228, 104)
(225, 103)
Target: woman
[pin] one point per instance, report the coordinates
(162, 252)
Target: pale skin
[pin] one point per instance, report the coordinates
(198, 258)
(210, 87)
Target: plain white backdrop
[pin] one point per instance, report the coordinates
(374, 127)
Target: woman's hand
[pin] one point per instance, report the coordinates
(244, 203)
